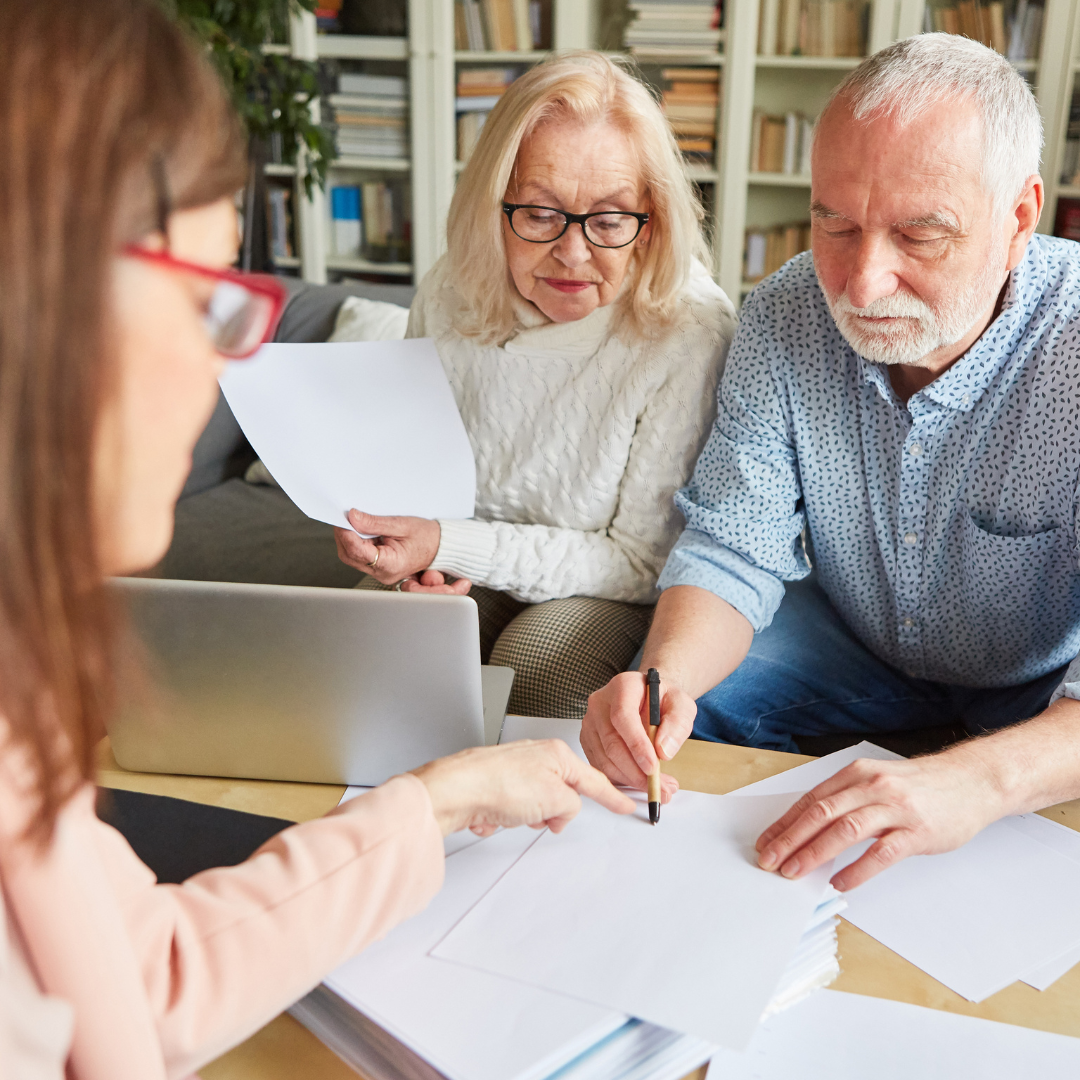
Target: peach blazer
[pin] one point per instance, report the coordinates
(163, 978)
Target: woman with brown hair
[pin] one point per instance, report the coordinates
(118, 161)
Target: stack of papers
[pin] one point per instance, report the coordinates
(999, 909)
(473, 989)
(737, 944)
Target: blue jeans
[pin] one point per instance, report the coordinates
(807, 674)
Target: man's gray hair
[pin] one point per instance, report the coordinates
(910, 77)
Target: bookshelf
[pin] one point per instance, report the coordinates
(737, 197)
(1059, 87)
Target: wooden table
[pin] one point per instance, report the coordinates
(283, 1050)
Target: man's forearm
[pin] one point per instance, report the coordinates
(696, 640)
(1031, 765)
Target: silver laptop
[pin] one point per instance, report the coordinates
(280, 682)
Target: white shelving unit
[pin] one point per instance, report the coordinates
(1058, 81)
(740, 198)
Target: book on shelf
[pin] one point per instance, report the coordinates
(501, 25)
(674, 29)
(1012, 29)
(345, 225)
(1067, 219)
(478, 92)
(768, 249)
(279, 217)
(469, 126)
(363, 18)
(781, 144)
(327, 13)
(385, 86)
(691, 100)
(813, 27)
(370, 116)
(385, 224)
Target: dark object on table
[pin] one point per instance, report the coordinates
(178, 839)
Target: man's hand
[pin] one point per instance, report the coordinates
(401, 547)
(920, 807)
(615, 731)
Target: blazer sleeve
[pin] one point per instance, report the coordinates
(230, 948)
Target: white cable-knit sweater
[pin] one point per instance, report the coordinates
(580, 439)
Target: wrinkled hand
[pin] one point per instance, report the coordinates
(402, 547)
(432, 581)
(920, 807)
(615, 731)
(539, 784)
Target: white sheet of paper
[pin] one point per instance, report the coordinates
(1066, 842)
(1017, 898)
(804, 777)
(978, 918)
(838, 1036)
(580, 914)
(371, 425)
(468, 1024)
(536, 727)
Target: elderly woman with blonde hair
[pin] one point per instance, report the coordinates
(584, 339)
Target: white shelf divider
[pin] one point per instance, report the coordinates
(733, 152)
(1057, 80)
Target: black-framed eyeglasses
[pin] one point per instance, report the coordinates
(545, 224)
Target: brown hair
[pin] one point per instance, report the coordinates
(95, 97)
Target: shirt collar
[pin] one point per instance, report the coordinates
(961, 386)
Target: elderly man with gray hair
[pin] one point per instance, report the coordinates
(905, 397)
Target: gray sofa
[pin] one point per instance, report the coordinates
(230, 530)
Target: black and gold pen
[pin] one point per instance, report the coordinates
(653, 681)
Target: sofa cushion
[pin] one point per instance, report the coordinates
(360, 319)
(310, 313)
(243, 532)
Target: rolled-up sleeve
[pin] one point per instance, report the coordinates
(743, 509)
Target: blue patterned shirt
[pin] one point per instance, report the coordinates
(945, 530)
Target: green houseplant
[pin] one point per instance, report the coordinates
(272, 92)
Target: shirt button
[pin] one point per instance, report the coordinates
(966, 399)
(910, 539)
(909, 622)
(916, 449)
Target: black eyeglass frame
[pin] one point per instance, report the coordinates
(574, 219)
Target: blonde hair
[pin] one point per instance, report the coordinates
(586, 88)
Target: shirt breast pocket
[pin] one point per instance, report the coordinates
(1016, 592)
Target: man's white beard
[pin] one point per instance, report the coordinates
(920, 329)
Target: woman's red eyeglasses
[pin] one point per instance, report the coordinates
(244, 309)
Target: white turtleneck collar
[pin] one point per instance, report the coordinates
(536, 333)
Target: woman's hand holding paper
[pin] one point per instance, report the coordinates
(539, 784)
(393, 549)
(920, 807)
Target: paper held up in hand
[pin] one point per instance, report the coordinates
(371, 425)
(674, 924)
